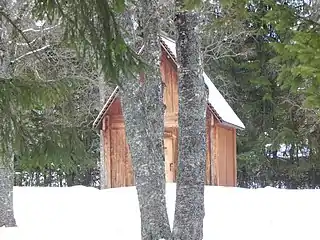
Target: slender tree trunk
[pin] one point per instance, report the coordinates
(6, 155)
(102, 94)
(6, 193)
(142, 107)
(189, 210)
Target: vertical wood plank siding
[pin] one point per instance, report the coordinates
(221, 148)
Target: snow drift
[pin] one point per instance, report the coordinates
(231, 213)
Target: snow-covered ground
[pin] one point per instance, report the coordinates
(231, 213)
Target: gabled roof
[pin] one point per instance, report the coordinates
(216, 101)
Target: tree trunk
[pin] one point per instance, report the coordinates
(142, 107)
(102, 94)
(148, 169)
(189, 210)
(6, 194)
(6, 154)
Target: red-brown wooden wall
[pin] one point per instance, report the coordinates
(221, 140)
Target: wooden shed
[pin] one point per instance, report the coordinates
(222, 123)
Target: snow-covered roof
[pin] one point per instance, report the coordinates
(216, 101)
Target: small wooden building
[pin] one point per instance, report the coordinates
(222, 123)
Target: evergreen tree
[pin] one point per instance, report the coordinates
(281, 126)
(39, 126)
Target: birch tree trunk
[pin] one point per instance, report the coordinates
(189, 209)
(143, 112)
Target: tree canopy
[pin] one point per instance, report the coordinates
(263, 56)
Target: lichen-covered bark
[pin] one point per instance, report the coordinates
(189, 210)
(142, 107)
(102, 172)
(148, 169)
(6, 196)
(6, 155)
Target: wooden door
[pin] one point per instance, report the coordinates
(169, 159)
(120, 164)
(226, 156)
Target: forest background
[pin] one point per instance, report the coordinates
(263, 56)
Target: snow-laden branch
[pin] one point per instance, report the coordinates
(40, 30)
(26, 44)
(29, 53)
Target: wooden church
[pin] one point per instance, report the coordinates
(222, 123)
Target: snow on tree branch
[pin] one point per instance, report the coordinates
(40, 30)
(31, 52)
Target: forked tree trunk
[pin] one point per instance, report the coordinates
(189, 209)
(143, 113)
